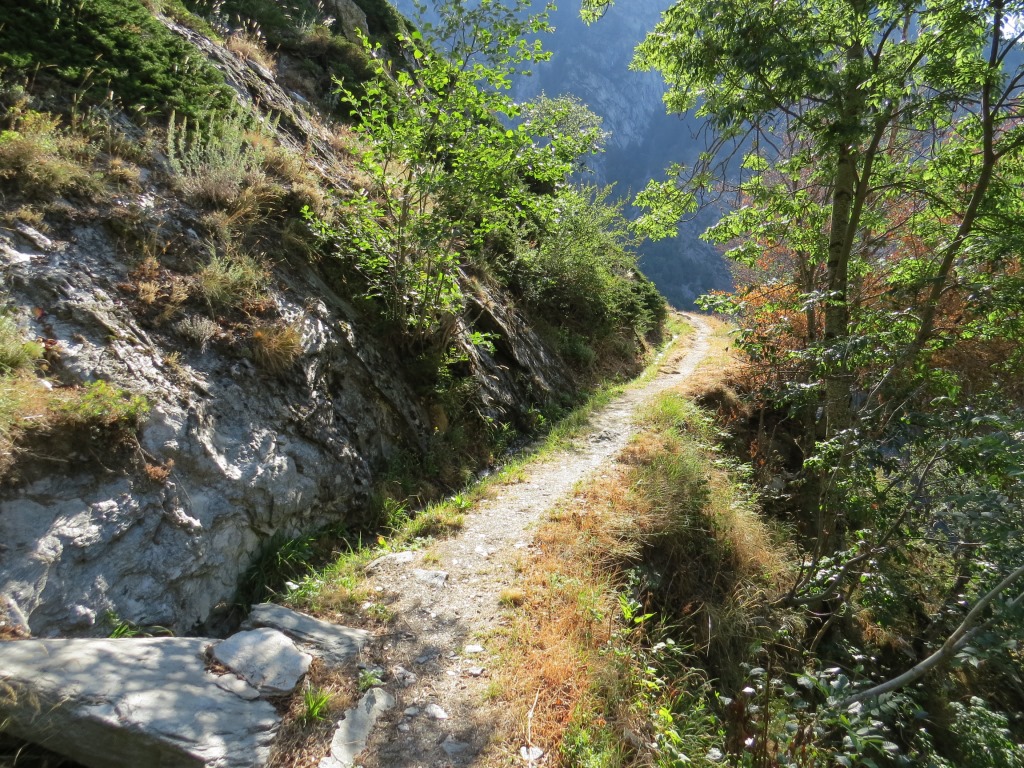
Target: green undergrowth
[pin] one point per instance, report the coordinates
(655, 631)
(110, 45)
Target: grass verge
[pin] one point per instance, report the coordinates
(649, 586)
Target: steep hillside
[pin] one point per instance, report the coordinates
(196, 362)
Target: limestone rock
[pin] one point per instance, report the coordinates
(265, 658)
(350, 17)
(335, 644)
(132, 702)
(350, 737)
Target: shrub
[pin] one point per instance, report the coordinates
(215, 160)
(233, 280)
(43, 159)
(198, 329)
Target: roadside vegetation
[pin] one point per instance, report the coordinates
(878, 260)
(419, 223)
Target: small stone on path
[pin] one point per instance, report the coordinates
(453, 747)
(475, 671)
(474, 649)
(531, 754)
(430, 578)
(267, 659)
(403, 675)
(400, 558)
(354, 730)
(434, 711)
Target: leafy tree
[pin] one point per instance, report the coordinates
(884, 157)
(451, 157)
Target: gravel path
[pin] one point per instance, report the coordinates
(446, 600)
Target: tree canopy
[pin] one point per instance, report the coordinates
(876, 153)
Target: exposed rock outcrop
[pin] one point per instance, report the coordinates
(241, 454)
(174, 702)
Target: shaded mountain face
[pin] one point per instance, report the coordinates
(592, 63)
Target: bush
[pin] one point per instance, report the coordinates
(214, 161)
(44, 160)
(198, 329)
(233, 281)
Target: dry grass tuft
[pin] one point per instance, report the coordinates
(251, 48)
(234, 280)
(276, 346)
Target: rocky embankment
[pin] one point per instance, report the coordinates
(231, 454)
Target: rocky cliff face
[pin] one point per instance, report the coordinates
(231, 453)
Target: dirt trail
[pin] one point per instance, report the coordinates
(446, 600)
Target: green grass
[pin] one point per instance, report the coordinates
(316, 705)
(101, 404)
(16, 351)
(110, 45)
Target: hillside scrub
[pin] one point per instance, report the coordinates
(877, 244)
(110, 45)
(454, 189)
(412, 240)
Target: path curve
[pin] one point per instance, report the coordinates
(447, 601)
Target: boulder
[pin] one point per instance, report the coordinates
(335, 644)
(125, 703)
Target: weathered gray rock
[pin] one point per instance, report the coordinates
(350, 737)
(436, 712)
(350, 18)
(453, 747)
(335, 644)
(266, 658)
(403, 676)
(254, 455)
(132, 702)
(434, 579)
